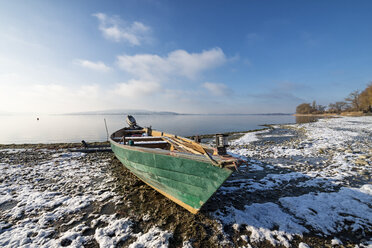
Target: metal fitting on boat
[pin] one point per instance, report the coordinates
(221, 143)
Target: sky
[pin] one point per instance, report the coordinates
(181, 56)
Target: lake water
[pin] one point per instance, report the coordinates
(19, 129)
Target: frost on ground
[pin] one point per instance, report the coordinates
(55, 198)
(304, 185)
(313, 185)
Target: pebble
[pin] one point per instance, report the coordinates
(361, 162)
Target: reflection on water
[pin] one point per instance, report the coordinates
(74, 128)
(307, 119)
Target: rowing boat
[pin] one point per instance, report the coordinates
(185, 171)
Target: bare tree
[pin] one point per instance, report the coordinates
(304, 108)
(354, 100)
(321, 108)
(337, 107)
(366, 99)
(313, 106)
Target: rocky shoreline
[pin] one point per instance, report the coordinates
(303, 185)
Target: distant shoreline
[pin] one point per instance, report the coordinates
(354, 114)
(317, 115)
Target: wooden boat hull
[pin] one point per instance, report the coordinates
(186, 180)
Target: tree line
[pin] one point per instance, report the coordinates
(356, 101)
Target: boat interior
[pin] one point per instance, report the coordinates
(146, 137)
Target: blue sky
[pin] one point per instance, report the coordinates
(183, 56)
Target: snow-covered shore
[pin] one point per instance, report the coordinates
(57, 198)
(303, 185)
(321, 179)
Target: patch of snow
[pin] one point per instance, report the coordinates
(245, 238)
(332, 212)
(74, 235)
(367, 189)
(303, 245)
(117, 230)
(25, 233)
(270, 181)
(13, 151)
(154, 238)
(146, 217)
(261, 219)
(336, 241)
(5, 197)
(326, 135)
(187, 244)
(255, 167)
(248, 138)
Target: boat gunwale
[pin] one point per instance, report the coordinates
(198, 157)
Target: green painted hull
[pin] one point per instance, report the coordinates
(187, 181)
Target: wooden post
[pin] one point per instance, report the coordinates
(107, 133)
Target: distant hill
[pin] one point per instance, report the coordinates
(148, 112)
(124, 112)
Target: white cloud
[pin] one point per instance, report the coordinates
(91, 91)
(217, 89)
(137, 88)
(113, 28)
(143, 88)
(97, 66)
(176, 63)
(35, 96)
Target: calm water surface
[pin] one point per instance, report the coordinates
(74, 128)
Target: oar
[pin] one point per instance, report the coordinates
(174, 144)
(182, 145)
(205, 153)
